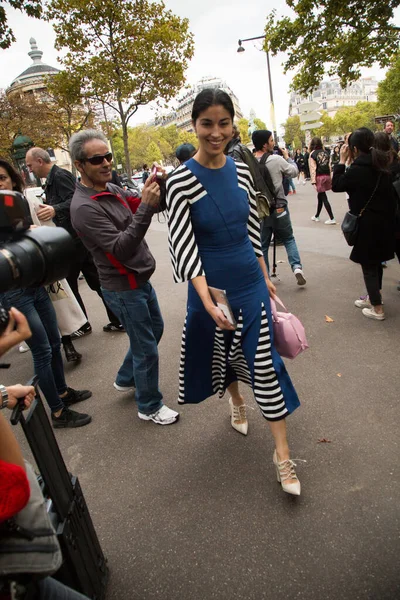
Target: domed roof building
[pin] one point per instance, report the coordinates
(31, 81)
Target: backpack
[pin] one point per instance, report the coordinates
(263, 186)
(321, 157)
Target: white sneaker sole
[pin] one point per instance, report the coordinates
(151, 418)
(374, 317)
(120, 388)
(300, 279)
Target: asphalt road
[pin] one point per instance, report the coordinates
(193, 511)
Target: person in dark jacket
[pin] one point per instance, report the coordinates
(300, 162)
(60, 188)
(306, 155)
(321, 177)
(382, 142)
(369, 185)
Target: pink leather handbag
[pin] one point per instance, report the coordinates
(289, 334)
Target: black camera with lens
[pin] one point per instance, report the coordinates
(30, 257)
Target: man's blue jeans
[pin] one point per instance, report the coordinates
(280, 223)
(45, 342)
(50, 589)
(140, 314)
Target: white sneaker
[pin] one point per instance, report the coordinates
(122, 388)
(23, 347)
(304, 182)
(314, 218)
(372, 314)
(301, 280)
(330, 222)
(363, 302)
(163, 416)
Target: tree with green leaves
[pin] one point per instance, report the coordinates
(24, 115)
(389, 89)
(259, 124)
(292, 127)
(349, 118)
(153, 154)
(33, 8)
(66, 105)
(339, 36)
(328, 127)
(127, 54)
(243, 126)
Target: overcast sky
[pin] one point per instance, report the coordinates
(217, 26)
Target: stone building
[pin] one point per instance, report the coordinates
(332, 96)
(181, 116)
(31, 82)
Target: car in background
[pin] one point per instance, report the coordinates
(137, 179)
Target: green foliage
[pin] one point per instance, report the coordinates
(243, 126)
(66, 105)
(149, 144)
(27, 116)
(341, 36)
(127, 54)
(389, 89)
(153, 154)
(259, 124)
(349, 118)
(187, 137)
(292, 128)
(297, 144)
(328, 128)
(33, 8)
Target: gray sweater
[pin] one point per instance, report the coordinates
(279, 167)
(112, 225)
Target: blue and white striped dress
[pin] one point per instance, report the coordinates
(214, 231)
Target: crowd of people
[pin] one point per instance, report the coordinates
(217, 240)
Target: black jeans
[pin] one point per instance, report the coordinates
(84, 263)
(373, 273)
(323, 201)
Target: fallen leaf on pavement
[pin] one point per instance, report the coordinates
(329, 319)
(324, 441)
(339, 374)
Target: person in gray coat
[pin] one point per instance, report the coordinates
(278, 222)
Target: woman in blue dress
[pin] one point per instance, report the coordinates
(214, 239)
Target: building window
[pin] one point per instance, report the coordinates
(51, 154)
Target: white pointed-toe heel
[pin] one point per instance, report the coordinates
(285, 471)
(238, 413)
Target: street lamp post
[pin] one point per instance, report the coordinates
(271, 95)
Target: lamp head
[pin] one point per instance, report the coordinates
(240, 49)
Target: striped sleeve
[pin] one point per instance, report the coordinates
(185, 257)
(245, 181)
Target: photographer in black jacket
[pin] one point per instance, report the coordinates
(60, 188)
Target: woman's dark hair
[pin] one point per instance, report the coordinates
(364, 140)
(336, 148)
(211, 97)
(316, 144)
(14, 175)
(382, 142)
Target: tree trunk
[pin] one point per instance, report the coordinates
(125, 138)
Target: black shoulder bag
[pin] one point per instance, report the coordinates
(351, 222)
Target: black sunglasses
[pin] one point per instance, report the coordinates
(99, 159)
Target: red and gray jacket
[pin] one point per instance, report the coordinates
(112, 225)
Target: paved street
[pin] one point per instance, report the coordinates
(193, 511)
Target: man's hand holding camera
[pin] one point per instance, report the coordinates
(151, 193)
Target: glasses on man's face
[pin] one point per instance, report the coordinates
(99, 159)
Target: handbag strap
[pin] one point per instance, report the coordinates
(372, 195)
